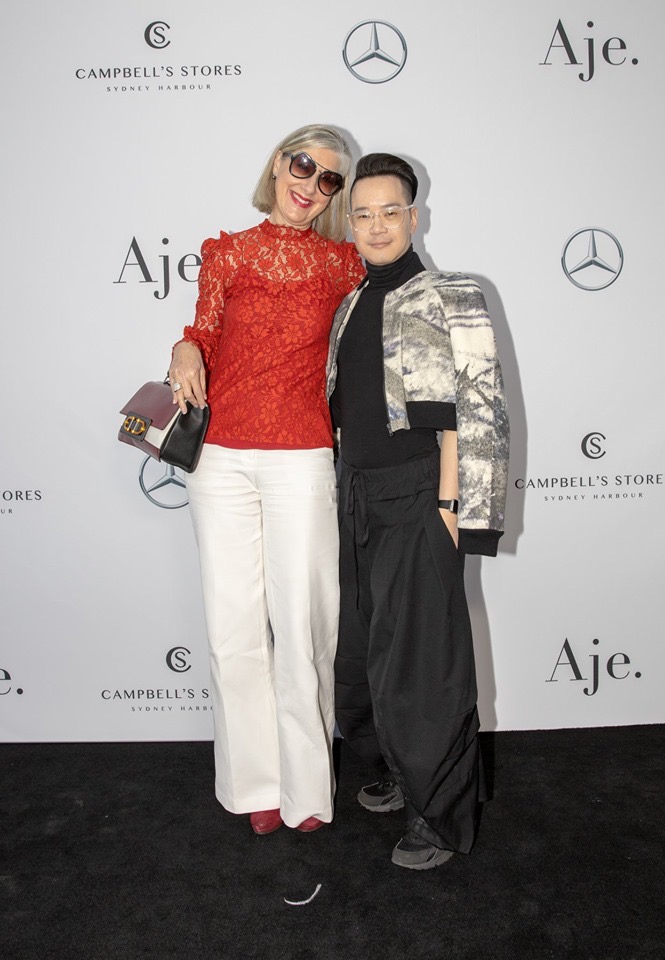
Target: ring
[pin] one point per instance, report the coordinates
(175, 387)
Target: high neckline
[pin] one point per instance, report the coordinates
(283, 229)
(389, 276)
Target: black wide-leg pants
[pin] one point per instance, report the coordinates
(405, 675)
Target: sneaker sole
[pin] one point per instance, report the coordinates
(396, 804)
(441, 857)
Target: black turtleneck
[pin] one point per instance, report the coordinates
(358, 403)
(390, 276)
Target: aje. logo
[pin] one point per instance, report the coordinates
(592, 258)
(162, 484)
(616, 668)
(155, 35)
(176, 659)
(158, 78)
(593, 487)
(374, 51)
(6, 684)
(613, 52)
(135, 265)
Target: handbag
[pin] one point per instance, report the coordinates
(153, 425)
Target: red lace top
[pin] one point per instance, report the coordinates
(266, 302)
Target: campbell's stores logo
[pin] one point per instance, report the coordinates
(156, 34)
(11, 501)
(593, 445)
(615, 486)
(163, 697)
(177, 659)
(159, 78)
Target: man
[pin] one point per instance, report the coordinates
(412, 354)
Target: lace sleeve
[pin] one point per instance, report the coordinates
(353, 269)
(207, 327)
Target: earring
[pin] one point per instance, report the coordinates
(274, 176)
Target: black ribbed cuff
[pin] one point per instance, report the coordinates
(483, 542)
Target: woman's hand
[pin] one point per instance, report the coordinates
(187, 372)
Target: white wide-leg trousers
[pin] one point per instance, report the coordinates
(266, 527)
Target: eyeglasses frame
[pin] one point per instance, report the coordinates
(392, 206)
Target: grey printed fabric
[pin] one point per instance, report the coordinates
(438, 345)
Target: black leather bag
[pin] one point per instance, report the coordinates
(157, 427)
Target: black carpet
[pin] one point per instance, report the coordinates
(120, 851)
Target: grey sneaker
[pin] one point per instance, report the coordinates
(414, 853)
(381, 797)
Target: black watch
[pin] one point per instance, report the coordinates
(452, 505)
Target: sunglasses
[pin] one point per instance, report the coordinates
(303, 167)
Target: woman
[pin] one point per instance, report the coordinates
(263, 495)
(412, 353)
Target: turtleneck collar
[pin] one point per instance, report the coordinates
(284, 229)
(389, 276)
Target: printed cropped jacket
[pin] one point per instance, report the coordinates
(441, 369)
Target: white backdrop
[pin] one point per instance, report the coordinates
(134, 130)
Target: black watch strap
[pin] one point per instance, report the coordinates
(452, 505)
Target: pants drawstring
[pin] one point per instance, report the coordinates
(355, 504)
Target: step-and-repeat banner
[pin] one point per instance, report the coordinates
(134, 130)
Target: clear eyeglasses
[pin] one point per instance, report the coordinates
(389, 217)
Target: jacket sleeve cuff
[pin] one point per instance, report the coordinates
(431, 413)
(483, 542)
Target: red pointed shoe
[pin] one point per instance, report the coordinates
(265, 821)
(310, 824)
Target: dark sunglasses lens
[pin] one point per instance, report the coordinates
(302, 166)
(330, 183)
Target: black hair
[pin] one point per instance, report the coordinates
(387, 165)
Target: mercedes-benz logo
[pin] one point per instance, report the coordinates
(162, 485)
(592, 258)
(374, 51)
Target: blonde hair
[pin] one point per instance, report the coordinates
(332, 222)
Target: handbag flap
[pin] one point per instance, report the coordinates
(154, 403)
